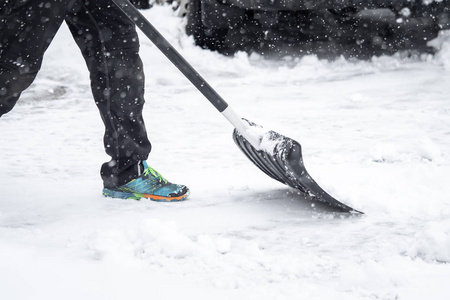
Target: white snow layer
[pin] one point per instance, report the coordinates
(375, 134)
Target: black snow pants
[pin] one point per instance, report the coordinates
(109, 44)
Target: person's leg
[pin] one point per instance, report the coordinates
(109, 44)
(26, 29)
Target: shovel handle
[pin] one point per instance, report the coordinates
(197, 80)
(172, 54)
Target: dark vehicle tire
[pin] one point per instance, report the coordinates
(207, 38)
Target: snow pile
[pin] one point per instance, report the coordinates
(442, 44)
(433, 242)
(216, 261)
(154, 241)
(415, 150)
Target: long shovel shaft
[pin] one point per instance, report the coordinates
(189, 72)
(172, 54)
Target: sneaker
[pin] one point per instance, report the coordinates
(149, 185)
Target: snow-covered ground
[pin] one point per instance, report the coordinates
(375, 134)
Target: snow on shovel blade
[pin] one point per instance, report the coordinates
(281, 158)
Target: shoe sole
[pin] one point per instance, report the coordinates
(124, 195)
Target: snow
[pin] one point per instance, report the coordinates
(270, 141)
(375, 134)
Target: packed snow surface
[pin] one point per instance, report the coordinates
(375, 135)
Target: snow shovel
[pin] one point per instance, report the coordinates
(276, 155)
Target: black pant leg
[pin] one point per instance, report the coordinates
(26, 29)
(110, 46)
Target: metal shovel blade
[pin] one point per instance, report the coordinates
(281, 158)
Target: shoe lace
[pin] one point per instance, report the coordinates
(155, 174)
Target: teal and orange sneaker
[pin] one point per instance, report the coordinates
(149, 185)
